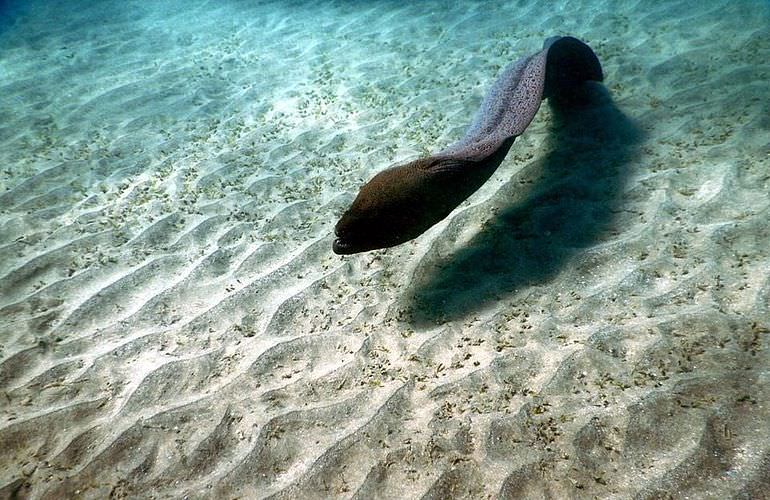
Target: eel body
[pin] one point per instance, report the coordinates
(402, 202)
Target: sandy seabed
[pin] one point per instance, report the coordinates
(594, 322)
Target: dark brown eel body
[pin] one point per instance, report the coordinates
(402, 202)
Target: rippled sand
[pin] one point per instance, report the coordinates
(595, 321)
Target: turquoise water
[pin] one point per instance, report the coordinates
(593, 321)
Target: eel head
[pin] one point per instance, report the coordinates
(397, 205)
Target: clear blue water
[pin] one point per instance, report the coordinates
(593, 321)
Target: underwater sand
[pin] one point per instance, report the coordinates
(594, 321)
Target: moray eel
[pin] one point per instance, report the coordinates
(402, 202)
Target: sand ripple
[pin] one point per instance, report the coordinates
(593, 322)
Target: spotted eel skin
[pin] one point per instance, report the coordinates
(402, 202)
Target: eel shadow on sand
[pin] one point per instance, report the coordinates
(569, 205)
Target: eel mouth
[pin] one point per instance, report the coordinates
(342, 247)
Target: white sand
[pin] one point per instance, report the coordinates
(595, 321)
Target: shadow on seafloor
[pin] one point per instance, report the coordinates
(569, 206)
